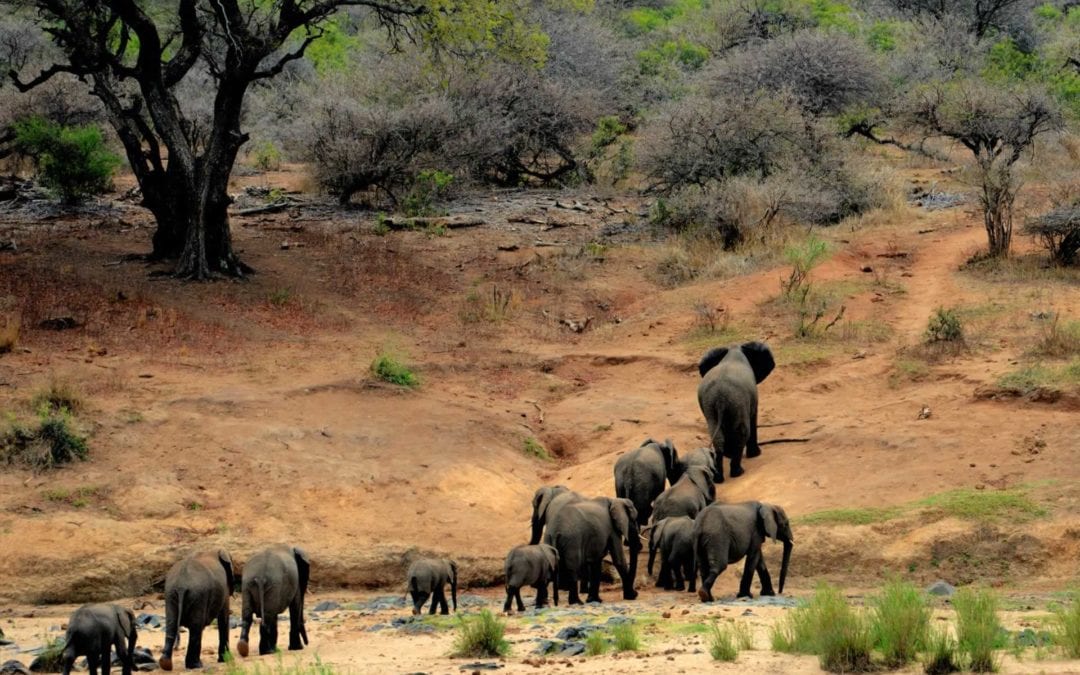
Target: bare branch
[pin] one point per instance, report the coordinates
(276, 69)
(46, 75)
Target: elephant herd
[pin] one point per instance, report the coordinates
(669, 498)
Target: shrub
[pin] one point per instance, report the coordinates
(429, 186)
(726, 641)
(53, 442)
(944, 326)
(56, 397)
(266, 156)
(481, 637)
(535, 448)
(900, 622)
(829, 627)
(940, 656)
(388, 369)
(73, 161)
(802, 260)
(51, 658)
(1067, 627)
(596, 644)
(977, 627)
(625, 638)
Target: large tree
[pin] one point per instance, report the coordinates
(135, 55)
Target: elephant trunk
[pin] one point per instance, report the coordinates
(537, 528)
(788, 545)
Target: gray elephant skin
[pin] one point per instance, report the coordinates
(703, 457)
(641, 474)
(197, 592)
(274, 579)
(428, 577)
(687, 497)
(728, 398)
(547, 501)
(584, 533)
(93, 631)
(535, 566)
(673, 539)
(725, 533)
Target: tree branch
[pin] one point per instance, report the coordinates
(291, 56)
(46, 75)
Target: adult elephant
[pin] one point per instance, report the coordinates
(197, 592)
(725, 533)
(673, 539)
(428, 577)
(687, 497)
(703, 457)
(93, 631)
(640, 475)
(274, 579)
(535, 566)
(585, 532)
(547, 501)
(729, 399)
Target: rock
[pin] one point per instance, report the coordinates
(46, 663)
(482, 665)
(548, 647)
(146, 667)
(144, 656)
(572, 649)
(234, 622)
(376, 628)
(13, 667)
(1031, 638)
(151, 620)
(326, 606)
(59, 323)
(4, 642)
(619, 620)
(942, 588)
(576, 632)
(666, 615)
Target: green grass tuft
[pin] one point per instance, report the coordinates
(481, 637)
(534, 448)
(596, 644)
(900, 620)
(829, 627)
(940, 656)
(865, 516)
(977, 627)
(1067, 627)
(728, 639)
(969, 504)
(389, 369)
(234, 666)
(56, 397)
(53, 442)
(625, 638)
(52, 655)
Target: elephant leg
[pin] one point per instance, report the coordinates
(691, 577)
(68, 662)
(594, 582)
(434, 602)
(124, 656)
(541, 595)
(93, 662)
(509, 599)
(752, 447)
(247, 616)
(294, 624)
(748, 573)
(708, 578)
(677, 571)
(223, 633)
(268, 633)
(663, 580)
(192, 659)
(442, 602)
(418, 600)
(585, 582)
(106, 659)
(763, 576)
(572, 582)
(172, 633)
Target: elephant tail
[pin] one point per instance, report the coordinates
(179, 616)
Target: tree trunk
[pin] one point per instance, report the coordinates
(998, 194)
(171, 205)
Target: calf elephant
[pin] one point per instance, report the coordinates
(428, 577)
(703, 457)
(585, 532)
(534, 566)
(687, 497)
(724, 533)
(93, 631)
(274, 579)
(546, 503)
(729, 399)
(672, 537)
(197, 592)
(640, 475)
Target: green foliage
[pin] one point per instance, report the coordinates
(900, 621)
(608, 130)
(827, 626)
(1007, 63)
(725, 641)
(73, 161)
(883, 35)
(596, 644)
(429, 186)
(977, 627)
(534, 448)
(625, 638)
(77, 498)
(233, 666)
(1067, 627)
(52, 655)
(689, 55)
(940, 656)
(380, 228)
(481, 637)
(266, 156)
(835, 15)
(802, 260)
(852, 516)
(944, 326)
(332, 52)
(969, 504)
(280, 297)
(389, 369)
(52, 442)
(641, 20)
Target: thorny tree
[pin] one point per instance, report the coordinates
(134, 55)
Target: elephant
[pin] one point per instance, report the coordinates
(197, 591)
(546, 503)
(640, 475)
(93, 630)
(687, 497)
(534, 566)
(274, 579)
(584, 532)
(729, 399)
(427, 577)
(672, 537)
(724, 533)
(703, 457)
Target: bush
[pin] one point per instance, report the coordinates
(73, 161)
(53, 442)
(1058, 339)
(977, 627)
(726, 641)
(945, 326)
(802, 259)
(1059, 231)
(900, 622)
(625, 638)
(596, 644)
(266, 156)
(829, 627)
(1067, 627)
(940, 657)
(388, 369)
(481, 637)
(535, 448)
(429, 186)
(56, 397)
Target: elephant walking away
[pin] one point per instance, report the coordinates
(703, 457)
(640, 475)
(687, 497)
(673, 539)
(725, 533)
(535, 566)
(274, 579)
(584, 533)
(197, 592)
(546, 503)
(93, 631)
(728, 398)
(428, 577)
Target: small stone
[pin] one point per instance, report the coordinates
(666, 615)
(13, 667)
(326, 606)
(942, 588)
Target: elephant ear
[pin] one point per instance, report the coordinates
(711, 358)
(620, 516)
(769, 520)
(702, 481)
(125, 618)
(657, 533)
(551, 554)
(226, 561)
(671, 458)
(303, 567)
(648, 441)
(542, 499)
(761, 359)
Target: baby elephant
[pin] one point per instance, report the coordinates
(427, 577)
(672, 538)
(93, 631)
(535, 566)
(275, 579)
